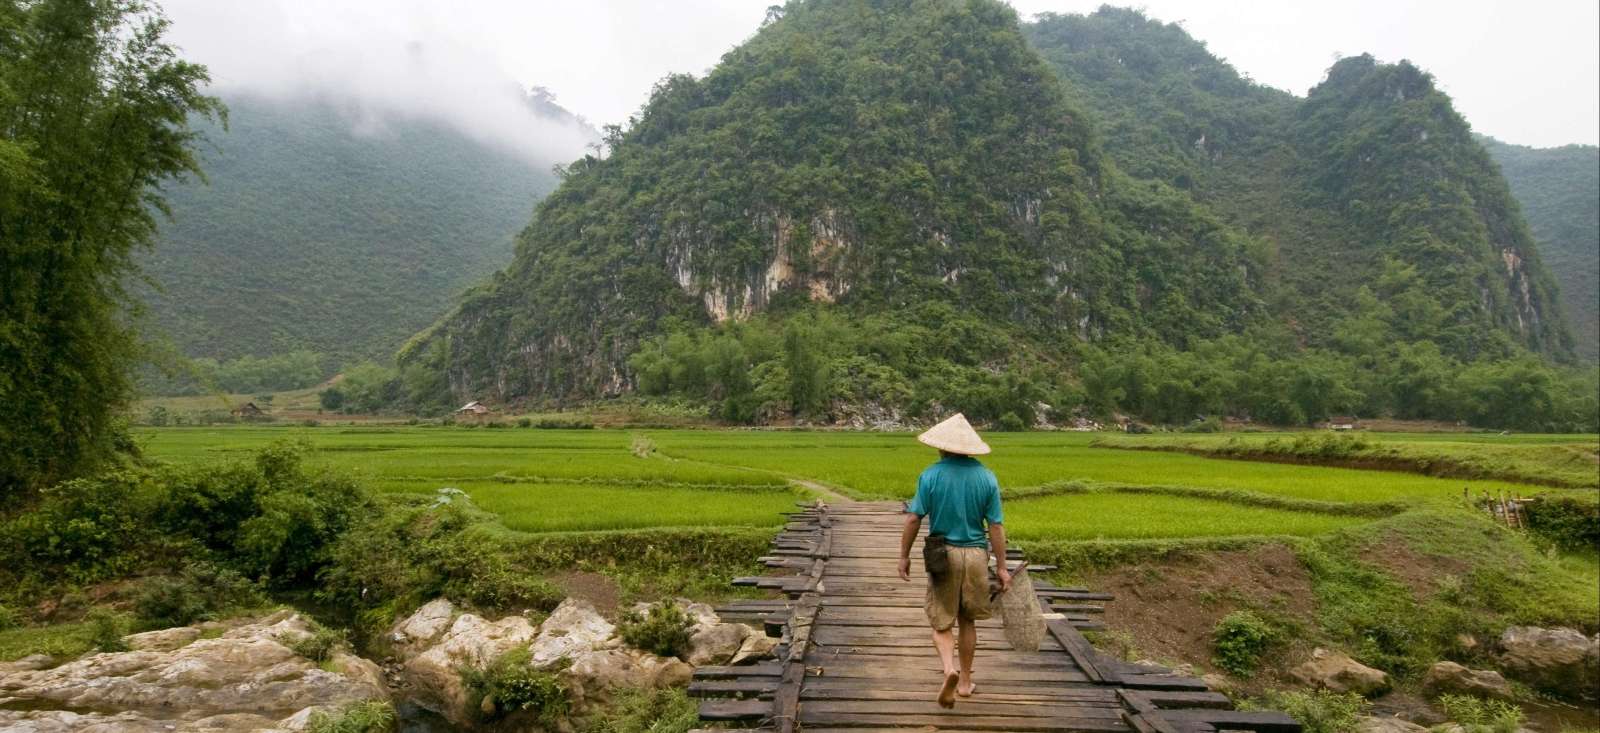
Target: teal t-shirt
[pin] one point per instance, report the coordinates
(959, 495)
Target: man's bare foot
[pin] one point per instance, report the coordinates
(947, 694)
(966, 689)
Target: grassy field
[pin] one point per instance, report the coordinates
(564, 480)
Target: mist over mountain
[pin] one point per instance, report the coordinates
(339, 227)
(1559, 190)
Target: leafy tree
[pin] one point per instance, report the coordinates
(95, 111)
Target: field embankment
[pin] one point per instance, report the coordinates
(1545, 460)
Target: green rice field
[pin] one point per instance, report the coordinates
(573, 480)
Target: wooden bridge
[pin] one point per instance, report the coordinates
(856, 652)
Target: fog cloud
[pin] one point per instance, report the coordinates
(376, 66)
(1525, 71)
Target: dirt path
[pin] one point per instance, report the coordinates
(827, 493)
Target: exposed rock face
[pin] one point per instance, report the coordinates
(436, 652)
(1338, 672)
(1449, 677)
(1386, 724)
(246, 679)
(1562, 660)
(575, 628)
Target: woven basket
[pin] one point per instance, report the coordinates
(1020, 612)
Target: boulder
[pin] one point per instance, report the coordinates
(27, 664)
(425, 625)
(1338, 672)
(434, 673)
(756, 647)
(716, 643)
(245, 679)
(1449, 677)
(1386, 724)
(1561, 660)
(595, 674)
(573, 628)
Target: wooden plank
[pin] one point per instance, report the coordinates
(729, 710)
(1261, 721)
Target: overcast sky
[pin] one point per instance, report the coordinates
(1525, 71)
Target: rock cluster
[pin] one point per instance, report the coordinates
(1449, 677)
(245, 678)
(437, 641)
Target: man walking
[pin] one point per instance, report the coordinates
(959, 496)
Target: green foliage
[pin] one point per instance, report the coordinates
(1320, 711)
(647, 711)
(317, 646)
(894, 158)
(664, 631)
(246, 374)
(105, 629)
(9, 618)
(201, 592)
(1367, 253)
(510, 684)
(361, 717)
(1568, 522)
(1239, 640)
(95, 109)
(1477, 715)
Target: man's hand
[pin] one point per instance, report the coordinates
(1005, 577)
(905, 568)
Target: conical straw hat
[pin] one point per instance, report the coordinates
(955, 435)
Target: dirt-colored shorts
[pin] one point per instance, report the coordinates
(963, 591)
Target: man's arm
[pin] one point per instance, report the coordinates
(907, 537)
(997, 545)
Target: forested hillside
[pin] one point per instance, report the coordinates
(873, 213)
(1372, 185)
(1559, 189)
(918, 163)
(327, 229)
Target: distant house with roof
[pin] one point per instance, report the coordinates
(474, 409)
(1343, 422)
(247, 410)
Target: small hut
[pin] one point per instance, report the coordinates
(474, 409)
(247, 410)
(1342, 422)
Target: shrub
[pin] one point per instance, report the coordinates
(1481, 716)
(1211, 424)
(106, 629)
(664, 632)
(9, 618)
(1012, 423)
(80, 531)
(361, 717)
(1239, 640)
(202, 591)
(1320, 711)
(510, 684)
(317, 646)
(524, 422)
(647, 711)
(1567, 522)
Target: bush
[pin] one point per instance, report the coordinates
(1481, 716)
(1567, 522)
(106, 629)
(1239, 640)
(524, 422)
(1012, 423)
(9, 618)
(664, 632)
(510, 684)
(360, 717)
(647, 711)
(80, 531)
(1320, 711)
(201, 592)
(319, 645)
